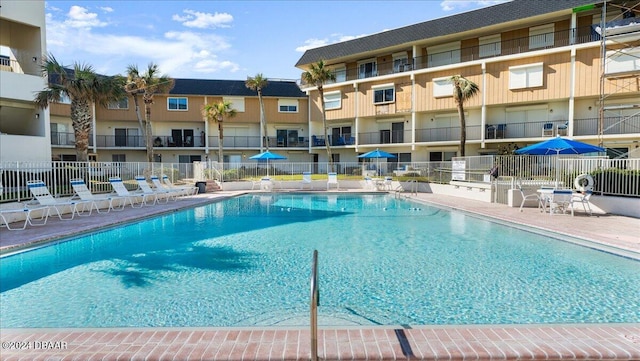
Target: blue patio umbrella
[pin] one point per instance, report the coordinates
(377, 154)
(557, 146)
(266, 156)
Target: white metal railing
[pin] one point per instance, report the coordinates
(620, 177)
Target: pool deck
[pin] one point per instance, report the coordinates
(470, 342)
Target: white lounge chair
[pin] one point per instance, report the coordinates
(187, 189)
(333, 180)
(42, 195)
(306, 180)
(82, 191)
(170, 193)
(28, 214)
(122, 191)
(148, 193)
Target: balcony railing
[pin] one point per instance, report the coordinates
(492, 131)
(485, 51)
(14, 66)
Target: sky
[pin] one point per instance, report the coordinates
(221, 39)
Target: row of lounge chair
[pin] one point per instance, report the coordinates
(84, 202)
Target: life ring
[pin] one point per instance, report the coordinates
(583, 183)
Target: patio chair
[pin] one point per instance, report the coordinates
(43, 197)
(118, 186)
(388, 181)
(170, 193)
(560, 201)
(333, 179)
(369, 184)
(561, 129)
(306, 180)
(582, 198)
(28, 214)
(148, 193)
(547, 130)
(266, 184)
(189, 190)
(82, 191)
(527, 196)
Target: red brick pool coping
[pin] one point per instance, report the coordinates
(530, 342)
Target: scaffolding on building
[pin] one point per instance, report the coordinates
(619, 32)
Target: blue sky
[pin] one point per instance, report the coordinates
(221, 39)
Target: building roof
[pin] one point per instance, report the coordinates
(476, 19)
(274, 88)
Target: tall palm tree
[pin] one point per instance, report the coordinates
(217, 112)
(257, 83)
(147, 84)
(83, 87)
(318, 74)
(463, 90)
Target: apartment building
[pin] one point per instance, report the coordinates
(543, 68)
(24, 127)
(180, 132)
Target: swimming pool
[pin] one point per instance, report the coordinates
(246, 261)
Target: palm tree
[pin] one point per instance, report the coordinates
(217, 112)
(257, 83)
(318, 74)
(463, 89)
(83, 87)
(147, 84)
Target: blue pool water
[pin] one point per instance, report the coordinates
(247, 260)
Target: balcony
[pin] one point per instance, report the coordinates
(506, 47)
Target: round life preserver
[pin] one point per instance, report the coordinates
(583, 183)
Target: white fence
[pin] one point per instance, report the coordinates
(620, 177)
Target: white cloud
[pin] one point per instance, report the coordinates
(79, 17)
(177, 53)
(334, 38)
(459, 5)
(312, 43)
(196, 19)
(107, 9)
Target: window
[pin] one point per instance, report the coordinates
(400, 62)
(384, 94)
(177, 103)
(332, 100)
(288, 138)
(118, 157)
(541, 36)
(287, 106)
(533, 113)
(64, 99)
(444, 54)
(526, 76)
(340, 73)
(622, 61)
(367, 69)
(490, 46)
(237, 103)
(442, 87)
(126, 137)
(121, 104)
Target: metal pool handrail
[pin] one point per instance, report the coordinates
(314, 306)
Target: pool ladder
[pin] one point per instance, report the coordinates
(315, 295)
(413, 189)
